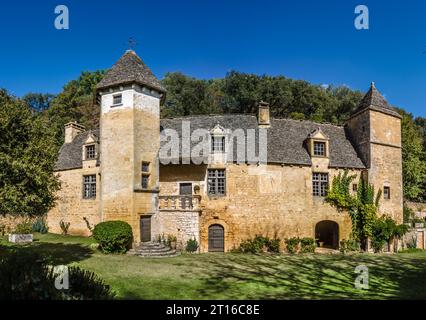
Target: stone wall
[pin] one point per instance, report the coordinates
(275, 201)
(10, 222)
(70, 205)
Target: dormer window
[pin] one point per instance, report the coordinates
(117, 99)
(319, 149)
(318, 144)
(218, 139)
(90, 152)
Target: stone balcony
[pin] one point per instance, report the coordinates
(180, 203)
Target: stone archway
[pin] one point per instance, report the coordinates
(216, 238)
(327, 234)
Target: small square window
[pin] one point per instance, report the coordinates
(319, 149)
(145, 167)
(386, 193)
(145, 181)
(355, 187)
(90, 152)
(117, 99)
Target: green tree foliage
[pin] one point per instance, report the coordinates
(76, 102)
(413, 158)
(27, 157)
(38, 101)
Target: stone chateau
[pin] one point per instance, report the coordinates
(118, 172)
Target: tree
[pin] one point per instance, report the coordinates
(413, 158)
(38, 101)
(76, 102)
(27, 156)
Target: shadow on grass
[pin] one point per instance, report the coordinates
(314, 277)
(52, 253)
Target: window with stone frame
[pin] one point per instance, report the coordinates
(89, 186)
(216, 182)
(355, 187)
(386, 193)
(319, 184)
(117, 99)
(90, 152)
(319, 148)
(218, 144)
(145, 174)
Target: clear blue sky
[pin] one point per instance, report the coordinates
(311, 40)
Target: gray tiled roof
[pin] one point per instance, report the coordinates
(374, 100)
(286, 139)
(70, 153)
(130, 68)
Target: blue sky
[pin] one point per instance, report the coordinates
(311, 40)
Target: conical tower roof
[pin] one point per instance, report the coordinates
(374, 100)
(130, 69)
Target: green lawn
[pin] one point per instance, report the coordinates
(240, 276)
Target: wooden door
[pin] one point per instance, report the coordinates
(216, 238)
(145, 228)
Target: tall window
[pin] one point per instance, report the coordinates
(117, 99)
(216, 182)
(90, 152)
(319, 148)
(145, 175)
(386, 193)
(319, 184)
(218, 144)
(89, 187)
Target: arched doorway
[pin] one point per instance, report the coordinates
(216, 238)
(327, 234)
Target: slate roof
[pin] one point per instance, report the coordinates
(374, 100)
(70, 154)
(286, 138)
(130, 69)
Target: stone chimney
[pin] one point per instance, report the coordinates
(72, 129)
(263, 114)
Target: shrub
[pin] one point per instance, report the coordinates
(191, 245)
(349, 246)
(292, 244)
(25, 276)
(24, 227)
(64, 227)
(113, 236)
(307, 245)
(260, 244)
(40, 226)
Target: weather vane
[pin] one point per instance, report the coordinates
(132, 43)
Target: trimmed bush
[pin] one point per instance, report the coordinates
(307, 245)
(113, 236)
(25, 227)
(40, 225)
(260, 244)
(25, 276)
(292, 244)
(191, 245)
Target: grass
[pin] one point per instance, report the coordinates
(240, 276)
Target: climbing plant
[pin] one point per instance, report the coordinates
(362, 207)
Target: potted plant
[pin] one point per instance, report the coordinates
(22, 233)
(172, 241)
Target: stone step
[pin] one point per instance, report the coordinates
(139, 250)
(169, 253)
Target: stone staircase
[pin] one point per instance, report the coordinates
(152, 250)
